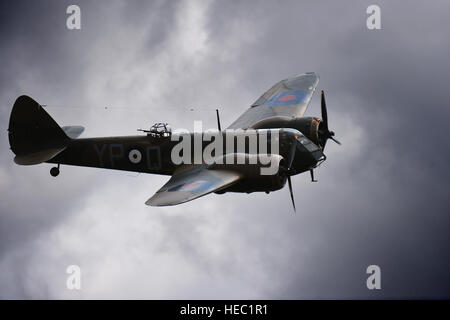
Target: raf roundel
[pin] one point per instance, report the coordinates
(135, 156)
(288, 98)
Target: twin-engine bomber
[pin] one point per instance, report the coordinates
(275, 121)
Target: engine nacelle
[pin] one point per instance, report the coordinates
(309, 126)
(259, 172)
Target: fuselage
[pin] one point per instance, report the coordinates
(155, 154)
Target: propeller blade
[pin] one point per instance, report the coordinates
(311, 172)
(324, 132)
(324, 143)
(336, 140)
(291, 155)
(323, 106)
(292, 194)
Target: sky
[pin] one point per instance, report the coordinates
(382, 197)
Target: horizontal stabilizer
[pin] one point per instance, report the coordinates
(73, 132)
(37, 157)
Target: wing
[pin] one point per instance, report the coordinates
(191, 184)
(289, 97)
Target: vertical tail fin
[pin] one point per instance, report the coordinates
(33, 134)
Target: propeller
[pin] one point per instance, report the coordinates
(292, 194)
(290, 172)
(325, 133)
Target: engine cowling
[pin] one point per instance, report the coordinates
(260, 172)
(309, 126)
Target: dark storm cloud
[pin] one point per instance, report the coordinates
(37, 46)
(21, 49)
(398, 78)
(382, 198)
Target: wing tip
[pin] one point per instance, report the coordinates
(160, 202)
(312, 73)
(152, 203)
